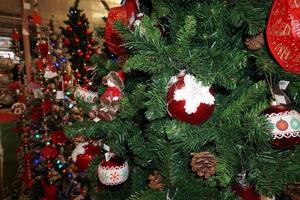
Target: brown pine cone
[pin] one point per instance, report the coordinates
(255, 42)
(293, 190)
(204, 164)
(156, 181)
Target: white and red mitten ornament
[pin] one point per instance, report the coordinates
(286, 125)
(126, 14)
(283, 34)
(113, 170)
(188, 100)
(83, 154)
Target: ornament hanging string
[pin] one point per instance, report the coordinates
(270, 84)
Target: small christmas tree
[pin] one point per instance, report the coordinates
(80, 43)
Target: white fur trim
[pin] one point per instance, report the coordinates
(78, 151)
(194, 93)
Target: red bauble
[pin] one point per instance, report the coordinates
(89, 46)
(283, 34)
(39, 64)
(83, 154)
(245, 192)
(80, 53)
(88, 32)
(76, 40)
(66, 42)
(188, 100)
(79, 23)
(87, 57)
(36, 18)
(77, 75)
(286, 125)
(126, 15)
(69, 28)
(92, 40)
(113, 170)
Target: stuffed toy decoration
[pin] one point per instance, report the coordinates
(126, 14)
(283, 34)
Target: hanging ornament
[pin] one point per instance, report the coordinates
(83, 154)
(286, 125)
(243, 189)
(113, 170)
(126, 14)
(255, 42)
(58, 137)
(69, 28)
(204, 164)
(80, 53)
(283, 34)
(43, 48)
(66, 42)
(76, 40)
(188, 100)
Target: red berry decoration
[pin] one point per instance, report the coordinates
(66, 42)
(76, 40)
(83, 154)
(188, 100)
(286, 125)
(79, 23)
(126, 14)
(87, 57)
(80, 53)
(113, 171)
(283, 34)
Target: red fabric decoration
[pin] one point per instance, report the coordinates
(126, 15)
(283, 34)
(83, 155)
(58, 137)
(37, 19)
(43, 48)
(49, 152)
(46, 105)
(245, 193)
(111, 93)
(15, 35)
(121, 74)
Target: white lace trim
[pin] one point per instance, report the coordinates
(291, 120)
(113, 175)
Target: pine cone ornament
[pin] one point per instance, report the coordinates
(204, 164)
(155, 181)
(255, 42)
(293, 191)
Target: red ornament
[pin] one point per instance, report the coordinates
(286, 125)
(36, 113)
(43, 49)
(15, 35)
(58, 137)
(87, 57)
(245, 192)
(92, 40)
(188, 100)
(66, 42)
(88, 32)
(283, 34)
(83, 154)
(80, 53)
(37, 19)
(113, 170)
(79, 23)
(77, 75)
(76, 40)
(69, 28)
(89, 46)
(126, 14)
(49, 152)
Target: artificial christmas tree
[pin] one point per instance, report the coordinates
(80, 43)
(220, 45)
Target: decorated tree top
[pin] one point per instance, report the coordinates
(80, 43)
